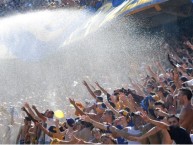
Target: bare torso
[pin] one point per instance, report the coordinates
(186, 118)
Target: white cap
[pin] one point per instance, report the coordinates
(189, 83)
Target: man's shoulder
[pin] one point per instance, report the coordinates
(187, 110)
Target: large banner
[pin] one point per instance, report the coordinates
(135, 5)
(127, 7)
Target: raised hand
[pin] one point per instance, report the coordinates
(144, 116)
(148, 67)
(187, 43)
(72, 101)
(97, 84)
(171, 62)
(26, 104)
(23, 108)
(176, 75)
(85, 83)
(112, 128)
(33, 107)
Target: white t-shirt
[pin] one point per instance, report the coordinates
(50, 122)
(191, 136)
(131, 130)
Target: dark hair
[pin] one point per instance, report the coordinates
(173, 116)
(46, 112)
(103, 105)
(52, 112)
(100, 99)
(160, 103)
(110, 137)
(127, 109)
(87, 125)
(186, 91)
(115, 93)
(183, 79)
(110, 112)
(98, 92)
(27, 119)
(173, 86)
(112, 104)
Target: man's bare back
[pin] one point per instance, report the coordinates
(186, 118)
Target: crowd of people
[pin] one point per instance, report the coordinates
(155, 110)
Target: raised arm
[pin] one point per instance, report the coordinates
(89, 89)
(151, 132)
(57, 126)
(101, 88)
(123, 133)
(189, 45)
(29, 115)
(95, 123)
(137, 88)
(12, 116)
(50, 134)
(128, 101)
(92, 87)
(176, 79)
(161, 69)
(76, 107)
(39, 114)
(73, 140)
(26, 105)
(153, 74)
(112, 109)
(160, 124)
(19, 134)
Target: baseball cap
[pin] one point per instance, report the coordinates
(99, 98)
(137, 113)
(70, 122)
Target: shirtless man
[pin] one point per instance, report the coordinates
(86, 132)
(21, 138)
(100, 109)
(48, 119)
(176, 132)
(186, 115)
(155, 134)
